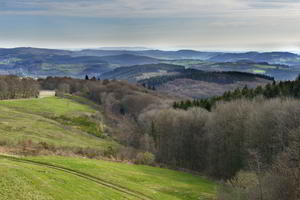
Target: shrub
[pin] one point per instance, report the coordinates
(145, 158)
(110, 152)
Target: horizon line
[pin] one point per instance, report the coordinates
(142, 48)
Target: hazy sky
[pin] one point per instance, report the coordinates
(169, 24)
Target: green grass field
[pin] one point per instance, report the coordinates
(29, 181)
(34, 119)
(20, 181)
(47, 106)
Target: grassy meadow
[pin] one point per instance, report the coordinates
(47, 106)
(41, 182)
(56, 121)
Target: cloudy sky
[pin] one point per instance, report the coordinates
(233, 25)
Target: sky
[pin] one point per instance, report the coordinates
(229, 25)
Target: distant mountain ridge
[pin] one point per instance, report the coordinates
(26, 61)
(270, 57)
(158, 54)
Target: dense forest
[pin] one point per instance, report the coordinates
(252, 143)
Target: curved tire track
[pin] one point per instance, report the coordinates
(94, 179)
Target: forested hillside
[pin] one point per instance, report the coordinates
(288, 89)
(192, 83)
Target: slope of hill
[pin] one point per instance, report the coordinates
(139, 72)
(178, 81)
(50, 124)
(71, 178)
(188, 88)
(278, 71)
(201, 84)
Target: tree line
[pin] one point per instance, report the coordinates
(281, 89)
(13, 87)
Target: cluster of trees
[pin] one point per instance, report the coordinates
(219, 142)
(13, 87)
(281, 89)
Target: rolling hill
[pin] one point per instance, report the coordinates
(38, 65)
(285, 58)
(36, 62)
(51, 121)
(278, 71)
(50, 126)
(44, 62)
(158, 54)
(178, 81)
(139, 72)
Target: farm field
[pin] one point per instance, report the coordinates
(74, 178)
